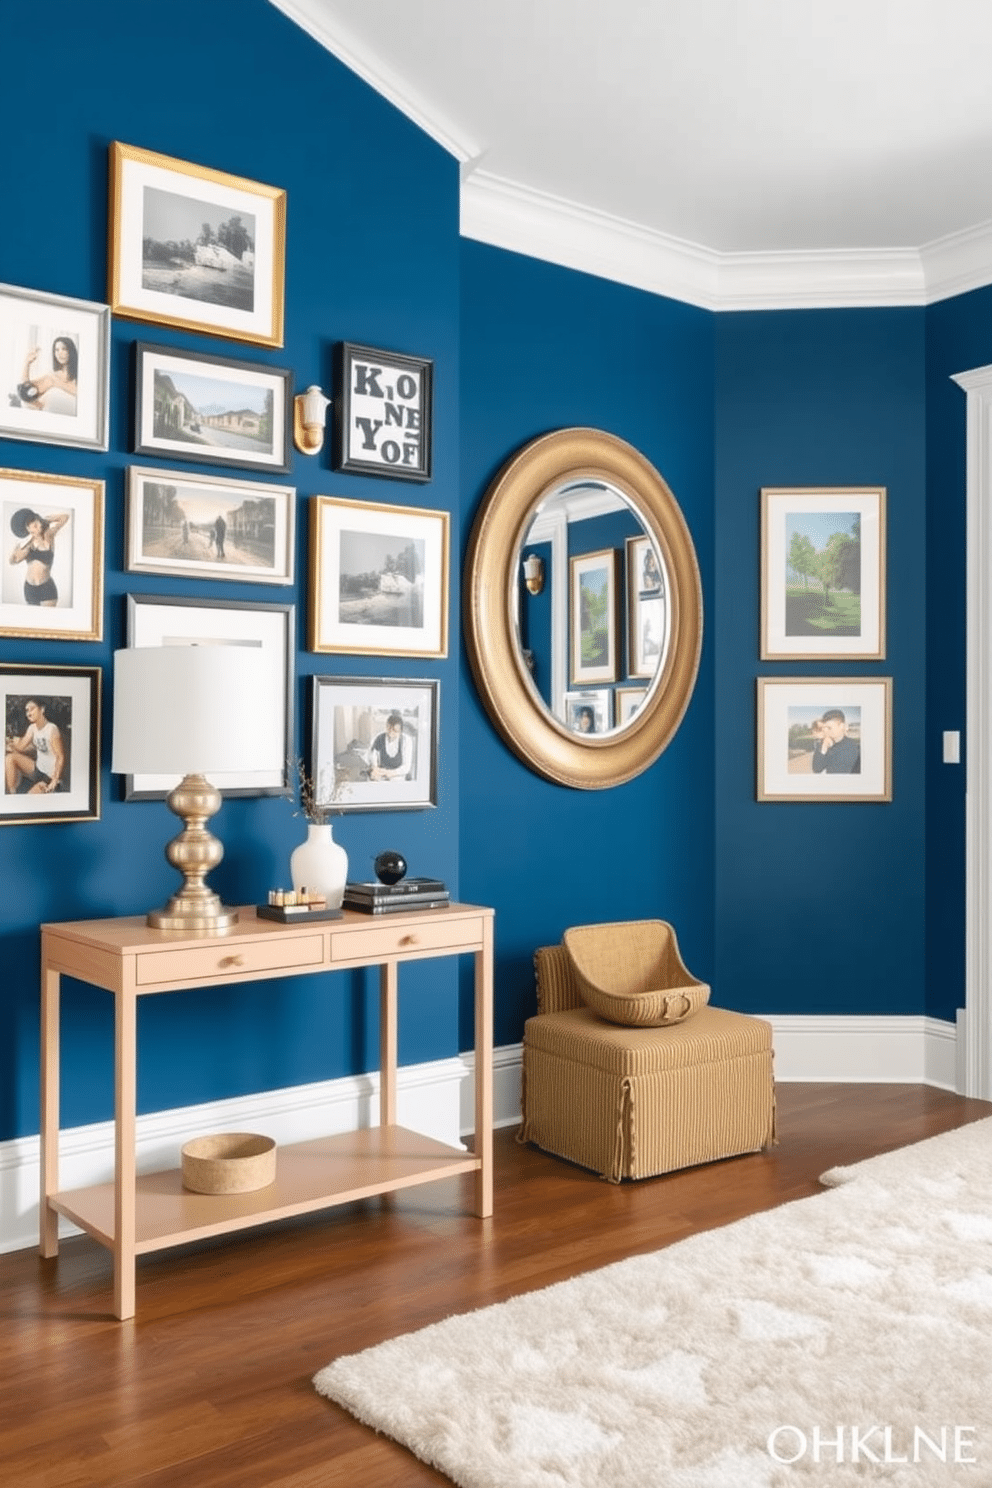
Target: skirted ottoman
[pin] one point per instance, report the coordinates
(632, 1102)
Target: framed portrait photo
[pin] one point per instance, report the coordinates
(379, 579)
(374, 743)
(195, 247)
(154, 620)
(52, 581)
(51, 744)
(647, 608)
(207, 527)
(589, 710)
(824, 739)
(594, 592)
(382, 413)
(823, 573)
(54, 369)
(214, 409)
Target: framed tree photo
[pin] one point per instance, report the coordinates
(54, 369)
(823, 573)
(195, 247)
(52, 582)
(379, 579)
(51, 744)
(209, 527)
(824, 739)
(374, 743)
(594, 604)
(382, 413)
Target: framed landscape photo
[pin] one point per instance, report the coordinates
(51, 744)
(589, 711)
(51, 584)
(383, 412)
(824, 739)
(54, 369)
(374, 743)
(823, 573)
(195, 247)
(209, 527)
(379, 579)
(154, 620)
(194, 406)
(594, 592)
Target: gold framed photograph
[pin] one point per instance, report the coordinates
(594, 593)
(379, 579)
(824, 739)
(195, 247)
(52, 583)
(823, 573)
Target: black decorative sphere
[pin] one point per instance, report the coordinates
(390, 867)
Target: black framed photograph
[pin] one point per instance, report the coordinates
(51, 585)
(379, 579)
(383, 412)
(374, 743)
(824, 739)
(196, 247)
(54, 369)
(157, 620)
(211, 409)
(51, 760)
(209, 527)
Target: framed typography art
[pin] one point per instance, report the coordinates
(382, 413)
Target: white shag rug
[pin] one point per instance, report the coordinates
(842, 1339)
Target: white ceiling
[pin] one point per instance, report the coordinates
(726, 151)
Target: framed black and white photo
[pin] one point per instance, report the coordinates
(195, 247)
(194, 406)
(824, 739)
(54, 369)
(589, 710)
(154, 620)
(379, 579)
(647, 608)
(51, 744)
(594, 593)
(374, 743)
(823, 573)
(209, 527)
(51, 585)
(382, 412)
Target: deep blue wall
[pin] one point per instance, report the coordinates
(372, 256)
(819, 907)
(546, 348)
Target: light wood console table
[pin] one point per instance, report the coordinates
(135, 1213)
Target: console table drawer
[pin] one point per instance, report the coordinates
(381, 941)
(219, 963)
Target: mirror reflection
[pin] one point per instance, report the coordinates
(591, 608)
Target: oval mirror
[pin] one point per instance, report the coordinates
(583, 608)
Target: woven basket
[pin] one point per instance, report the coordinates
(630, 972)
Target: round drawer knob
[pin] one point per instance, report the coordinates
(232, 961)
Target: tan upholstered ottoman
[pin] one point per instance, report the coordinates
(634, 1102)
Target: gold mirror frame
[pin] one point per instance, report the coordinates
(499, 670)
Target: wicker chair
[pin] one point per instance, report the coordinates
(635, 1101)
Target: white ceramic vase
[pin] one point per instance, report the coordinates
(320, 863)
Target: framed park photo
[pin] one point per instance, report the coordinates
(51, 744)
(195, 247)
(374, 743)
(382, 413)
(207, 527)
(54, 369)
(594, 592)
(824, 739)
(194, 406)
(823, 573)
(154, 620)
(51, 584)
(379, 579)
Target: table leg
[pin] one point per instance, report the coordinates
(483, 1144)
(125, 1056)
(48, 1225)
(388, 977)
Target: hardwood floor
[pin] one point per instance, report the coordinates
(209, 1386)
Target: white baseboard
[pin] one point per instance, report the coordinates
(438, 1098)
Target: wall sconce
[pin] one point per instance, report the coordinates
(309, 410)
(534, 573)
(183, 711)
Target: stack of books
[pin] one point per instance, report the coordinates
(409, 893)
